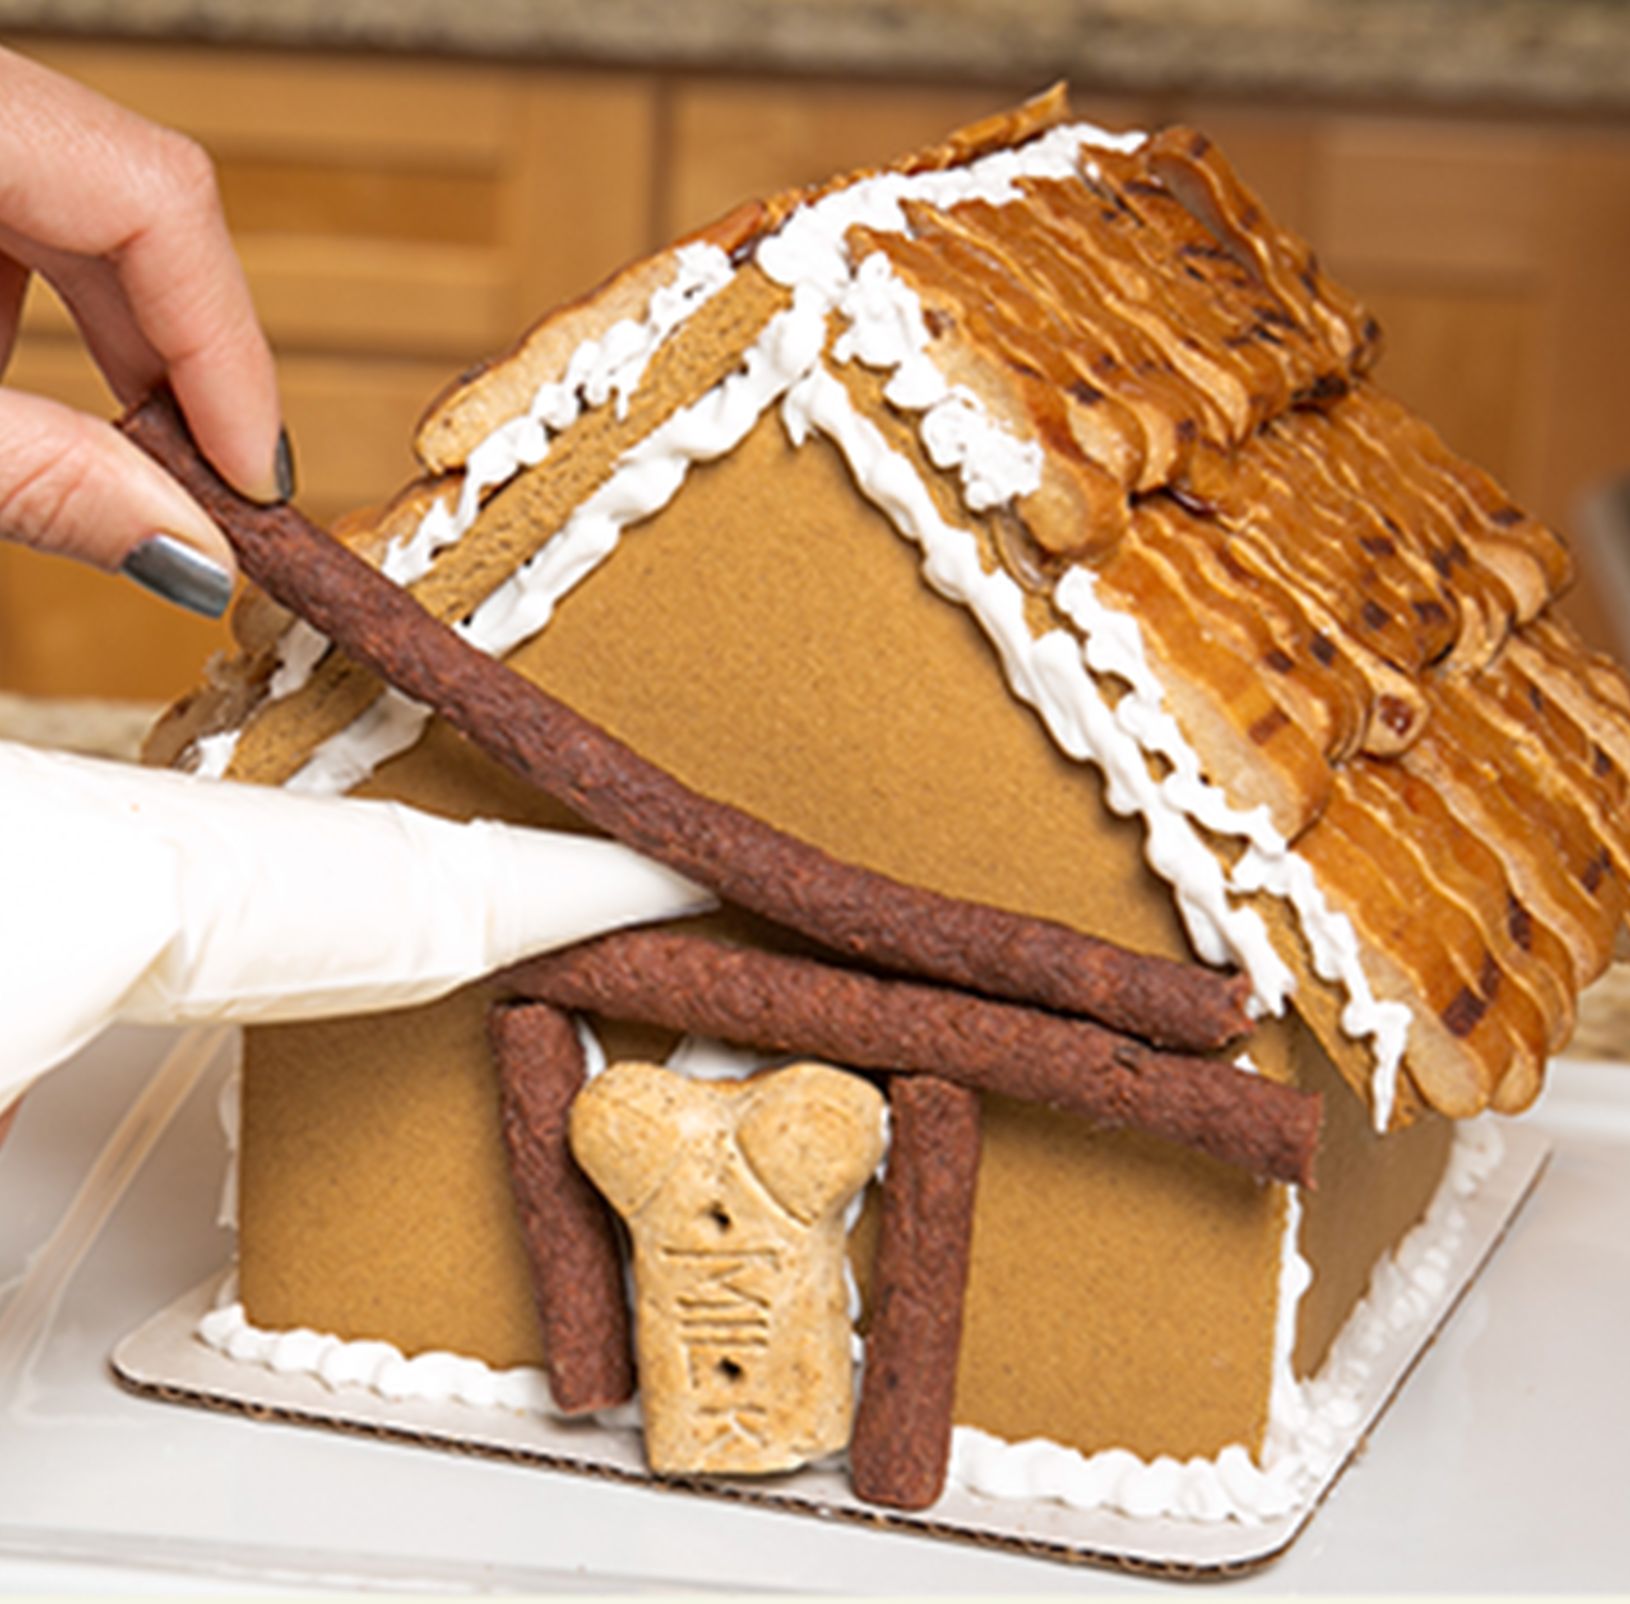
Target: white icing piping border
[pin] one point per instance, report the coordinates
(378, 1367)
(598, 371)
(1310, 1421)
(1269, 864)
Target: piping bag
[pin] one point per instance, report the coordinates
(153, 897)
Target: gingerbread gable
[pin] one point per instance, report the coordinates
(1131, 429)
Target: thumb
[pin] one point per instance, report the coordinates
(75, 486)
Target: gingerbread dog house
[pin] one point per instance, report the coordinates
(1021, 529)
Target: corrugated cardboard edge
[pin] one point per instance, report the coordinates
(163, 1360)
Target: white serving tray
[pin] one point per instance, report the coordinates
(1498, 1467)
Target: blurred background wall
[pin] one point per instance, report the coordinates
(410, 184)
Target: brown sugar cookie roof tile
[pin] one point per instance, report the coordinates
(1132, 424)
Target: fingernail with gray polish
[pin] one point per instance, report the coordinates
(283, 466)
(174, 570)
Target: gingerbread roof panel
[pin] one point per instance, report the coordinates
(1130, 424)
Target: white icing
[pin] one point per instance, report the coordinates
(1310, 1423)
(650, 475)
(701, 1058)
(300, 649)
(1295, 1277)
(388, 727)
(1333, 946)
(594, 1052)
(211, 755)
(376, 1367)
(993, 466)
(809, 249)
(885, 329)
(1269, 864)
(598, 371)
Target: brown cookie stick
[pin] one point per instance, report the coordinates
(687, 982)
(571, 1241)
(745, 860)
(901, 1445)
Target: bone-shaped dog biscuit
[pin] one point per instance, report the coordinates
(733, 1192)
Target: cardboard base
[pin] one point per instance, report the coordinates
(164, 1359)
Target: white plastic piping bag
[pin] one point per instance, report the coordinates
(153, 897)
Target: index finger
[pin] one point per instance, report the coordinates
(188, 293)
(81, 174)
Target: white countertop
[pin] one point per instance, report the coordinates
(1500, 1468)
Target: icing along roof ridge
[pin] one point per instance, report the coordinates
(500, 389)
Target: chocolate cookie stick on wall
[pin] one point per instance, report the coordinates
(687, 982)
(571, 1242)
(901, 1446)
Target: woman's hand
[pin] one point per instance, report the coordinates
(123, 219)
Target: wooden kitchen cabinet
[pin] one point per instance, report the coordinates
(401, 218)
